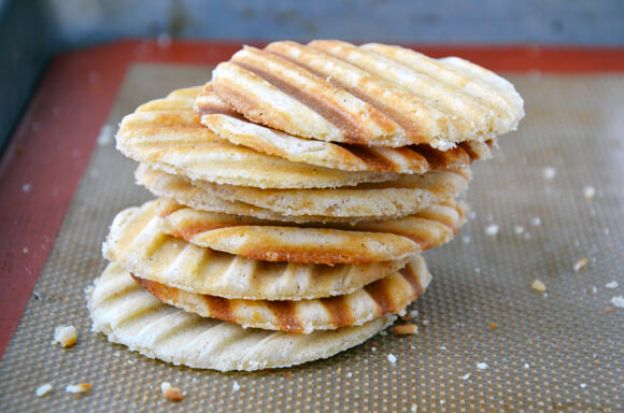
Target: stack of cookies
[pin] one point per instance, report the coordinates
(296, 193)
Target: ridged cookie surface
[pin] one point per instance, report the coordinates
(166, 133)
(217, 116)
(400, 197)
(395, 199)
(314, 243)
(138, 244)
(373, 95)
(184, 191)
(129, 315)
(390, 295)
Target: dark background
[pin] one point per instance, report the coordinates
(31, 31)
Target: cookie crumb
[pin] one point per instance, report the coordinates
(79, 388)
(171, 393)
(618, 301)
(589, 192)
(581, 264)
(66, 336)
(44, 390)
(493, 325)
(549, 173)
(392, 358)
(538, 286)
(491, 230)
(404, 329)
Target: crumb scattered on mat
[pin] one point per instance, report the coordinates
(44, 390)
(491, 230)
(549, 173)
(538, 286)
(618, 301)
(171, 393)
(81, 388)
(66, 336)
(581, 264)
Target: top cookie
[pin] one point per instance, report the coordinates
(374, 94)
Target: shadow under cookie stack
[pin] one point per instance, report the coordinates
(296, 192)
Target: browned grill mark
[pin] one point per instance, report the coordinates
(443, 159)
(380, 163)
(468, 149)
(379, 294)
(342, 120)
(158, 290)
(339, 311)
(185, 232)
(238, 100)
(411, 277)
(219, 308)
(208, 109)
(286, 315)
(188, 228)
(211, 107)
(383, 112)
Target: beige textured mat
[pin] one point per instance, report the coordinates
(560, 352)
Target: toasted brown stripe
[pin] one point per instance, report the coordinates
(466, 147)
(388, 112)
(161, 291)
(237, 99)
(339, 311)
(207, 109)
(413, 279)
(381, 297)
(443, 159)
(286, 315)
(343, 121)
(380, 163)
(219, 308)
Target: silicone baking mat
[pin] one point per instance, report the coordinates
(486, 342)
